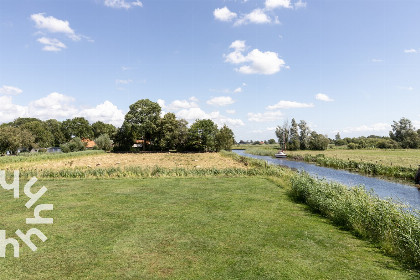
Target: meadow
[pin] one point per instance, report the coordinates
(206, 223)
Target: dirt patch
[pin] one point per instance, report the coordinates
(168, 160)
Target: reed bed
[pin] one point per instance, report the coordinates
(389, 225)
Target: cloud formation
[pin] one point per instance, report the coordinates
(221, 101)
(283, 104)
(9, 90)
(323, 97)
(54, 25)
(265, 117)
(122, 4)
(255, 62)
(51, 45)
(224, 14)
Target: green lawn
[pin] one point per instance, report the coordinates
(186, 228)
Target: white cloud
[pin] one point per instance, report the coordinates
(266, 63)
(54, 25)
(376, 60)
(377, 127)
(51, 44)
(181, 104)
(289, 105)
(300, 4)
(265, 117)
(122, 4)
(238, 90)
(407, 88)
(105, 112)
(55, 105)
(161, 103)
(10, 111)
(230, 111)
(9, 90)
(193, 99)
(257, 16)
(410, 51)
(273, 4)
(221, 101)
(323, 97)
(224, 14)
(123, 82)
(193, 114)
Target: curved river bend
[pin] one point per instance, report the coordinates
(384, 189)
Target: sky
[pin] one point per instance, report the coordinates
(342, 66)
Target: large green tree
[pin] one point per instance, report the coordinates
(202, 136)
(14, 138)
(304, 135)
(172, 133)
(283, 133)
(405, 134)
(142, 121)
(100, 128)
(294, 142)
(318, 141)
(224, 139)
(39, 129)
(54, 127)
(77, 127)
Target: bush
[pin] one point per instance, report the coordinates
(103, 142)
(74, 145)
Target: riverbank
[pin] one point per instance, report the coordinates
(389, 164)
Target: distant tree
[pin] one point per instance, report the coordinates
(99, 128)
(124, 138)
(77, 127)
(338, 141)
(318, 141)
(405, 134)
(54, 127)
(282, 133)
(104, 142)
(271, 141)
(202, 136)
(294, 141)
(172, 133)
(224, 139)
(142, 120)
(14, 138)
(304, 135)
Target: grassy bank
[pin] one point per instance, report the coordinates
(385, 223)
(213, 228)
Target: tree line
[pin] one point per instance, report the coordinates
(143, 126)
(298, 136)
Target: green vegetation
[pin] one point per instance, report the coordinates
(212, 228)
(35, 157)
(396, 231)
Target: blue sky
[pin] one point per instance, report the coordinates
(347, 66)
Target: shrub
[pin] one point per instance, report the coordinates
(103, 142)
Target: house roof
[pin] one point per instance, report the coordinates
(88, 143)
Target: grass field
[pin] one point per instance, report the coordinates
(179, 216)
(214, 228)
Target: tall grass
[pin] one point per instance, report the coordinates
(33, 157)
(387, 224)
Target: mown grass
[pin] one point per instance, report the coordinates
(189, 228)
(383, 222)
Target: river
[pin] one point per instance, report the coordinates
(384, 189)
